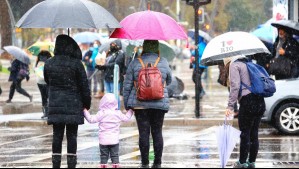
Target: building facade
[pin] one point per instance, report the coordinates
(294, 10)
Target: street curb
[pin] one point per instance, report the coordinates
(23, 108)
(167, 122)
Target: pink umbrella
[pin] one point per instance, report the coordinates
(149, 25)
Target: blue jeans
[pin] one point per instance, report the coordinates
(109, 88)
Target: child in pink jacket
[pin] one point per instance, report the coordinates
(109, 119)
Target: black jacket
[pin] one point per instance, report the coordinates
(291, 48)
(14, 70)
(69, 92)
(116, 58)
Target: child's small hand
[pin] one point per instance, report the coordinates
(131, 111)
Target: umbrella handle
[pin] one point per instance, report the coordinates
(95, 72)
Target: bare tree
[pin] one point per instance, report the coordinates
(5, 24)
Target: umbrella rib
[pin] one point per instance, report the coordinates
(94, 25)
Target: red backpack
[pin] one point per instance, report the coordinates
(150, 85)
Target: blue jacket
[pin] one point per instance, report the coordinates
(201, 47)
(130, 98)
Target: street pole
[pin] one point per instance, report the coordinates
(196, 6)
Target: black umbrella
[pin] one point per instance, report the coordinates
(288, 25)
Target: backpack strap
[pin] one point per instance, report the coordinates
(157, 61)
(141, 61)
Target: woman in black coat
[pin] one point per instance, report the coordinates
(69, 94)
(286, 53)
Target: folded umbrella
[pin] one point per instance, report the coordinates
(18, 53)
(227, 138)
(149, 25)
(231, 44)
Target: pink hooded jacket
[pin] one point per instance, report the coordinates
(109, 119)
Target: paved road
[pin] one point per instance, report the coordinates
(185, 147)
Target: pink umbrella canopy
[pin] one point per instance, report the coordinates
(149, 25)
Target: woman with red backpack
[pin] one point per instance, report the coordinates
(149, 107)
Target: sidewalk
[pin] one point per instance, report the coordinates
(181, 112)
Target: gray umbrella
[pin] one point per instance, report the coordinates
(105, 47)
(288, 25)
(68, 14)
(18, 53)
(176, 87)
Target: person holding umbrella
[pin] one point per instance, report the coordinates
(149, 113)
(69, 95)
(252, 108)
(18, 72)
(285, 53)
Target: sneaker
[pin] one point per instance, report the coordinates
(8, 101)
(144, 166)
(115, 166)
(156, 166)
(103, 166)
(251, 165)
(239, 165)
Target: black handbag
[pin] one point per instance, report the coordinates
(281, 66)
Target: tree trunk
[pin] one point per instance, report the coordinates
(5, 24)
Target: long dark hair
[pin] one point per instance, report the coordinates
(43, 56)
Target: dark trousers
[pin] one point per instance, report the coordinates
(201, 70)
(252, 108)
(71, 134)
(43, 88)
(109, 150)
(150, 121)
(17, 86)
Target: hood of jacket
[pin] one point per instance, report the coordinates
(67, 46)
(108, 102)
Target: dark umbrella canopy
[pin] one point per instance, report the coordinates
(176, 87)
(288, 25)
(68, 14)
(105, 47)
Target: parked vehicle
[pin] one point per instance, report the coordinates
(282, 110)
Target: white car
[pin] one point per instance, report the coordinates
(282, 110)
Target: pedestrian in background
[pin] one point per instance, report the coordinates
(69, 95)
(149, 114)
(201, 47)
(114, 56)
(42, 57)
(252, 108)
(89, 60)
(18, 72)
(109, 119)
(286, 56)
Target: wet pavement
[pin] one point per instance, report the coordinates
(187, 145)
(184, 147)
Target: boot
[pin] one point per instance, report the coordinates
(56, 161)
(115, 166)
(72, 161)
